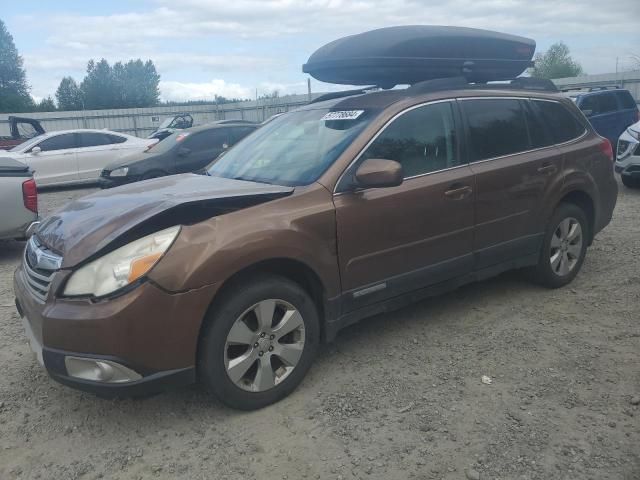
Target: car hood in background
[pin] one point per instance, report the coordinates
(114, 217)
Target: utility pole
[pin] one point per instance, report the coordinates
(309, 88)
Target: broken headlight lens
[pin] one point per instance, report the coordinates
(121, 267)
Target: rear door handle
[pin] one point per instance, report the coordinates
(548, 168)
(457, 192)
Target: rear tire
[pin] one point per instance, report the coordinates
(564, 247)
(630, 182)
(258, 342)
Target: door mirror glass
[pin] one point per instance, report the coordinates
(184, 151)
(36, 150)
(379, 173)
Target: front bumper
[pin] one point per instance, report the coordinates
(147, 330)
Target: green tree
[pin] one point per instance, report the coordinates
(137, 83)
(14, 89)
(46, 105)
(555, 63)
(99, 86)
(69, 95)
(129, 85)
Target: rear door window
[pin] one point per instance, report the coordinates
(238, 133)
(608, 102)
(539, 135)
(496, 128)
(560, 122)
(207, 140)
(94, 139)
(422, 140)
(59, 142)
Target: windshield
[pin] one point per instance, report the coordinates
(294, 149)
(26, 145)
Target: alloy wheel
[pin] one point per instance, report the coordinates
(566, 246)
(264, 345)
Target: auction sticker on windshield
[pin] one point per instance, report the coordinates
(343, 115)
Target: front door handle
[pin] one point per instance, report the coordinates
(457, 192)
(548, 169)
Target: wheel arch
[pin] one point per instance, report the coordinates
(583, 200)
(292, 269)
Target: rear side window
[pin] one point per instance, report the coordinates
(599, 103)
(238, 133)
(94, 139)
(608, 102)
(423, 140)
(207, 140)
(560, 122)
(116, 138)
(539, 134)
(59, 142)
(626, 100)
(496, 128)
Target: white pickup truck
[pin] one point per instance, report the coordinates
(18, 200)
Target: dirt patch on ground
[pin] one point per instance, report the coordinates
(397, 396)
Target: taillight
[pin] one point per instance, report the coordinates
(606, 148)
(30, 195)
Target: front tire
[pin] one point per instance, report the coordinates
(564, 247)
(259, 342)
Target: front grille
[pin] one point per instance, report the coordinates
(39, 265)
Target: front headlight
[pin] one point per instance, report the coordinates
(119, 172)
(633, 133)
(122, 266)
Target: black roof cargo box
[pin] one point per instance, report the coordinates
(410, 54)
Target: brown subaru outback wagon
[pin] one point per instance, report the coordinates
(342, 209)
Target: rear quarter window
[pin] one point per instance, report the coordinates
(626, 100)
(560, 122)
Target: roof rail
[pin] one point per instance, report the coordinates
(520, 83)
(528, 83)
(344, 93)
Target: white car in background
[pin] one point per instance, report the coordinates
(628, 158)
(75, 156)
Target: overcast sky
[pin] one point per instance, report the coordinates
(232, 47)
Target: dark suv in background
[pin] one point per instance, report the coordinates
(610, 111)
(184, 151)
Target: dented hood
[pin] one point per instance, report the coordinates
(112, 217)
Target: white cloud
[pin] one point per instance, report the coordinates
(175, 35)
(180, 91)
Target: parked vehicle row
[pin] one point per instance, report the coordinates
(355, 204)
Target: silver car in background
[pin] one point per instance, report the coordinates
(75, 156)
(18, 200)
(628, 157)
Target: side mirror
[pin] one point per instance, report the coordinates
(36, 150)
(379, 173)
(184, 151)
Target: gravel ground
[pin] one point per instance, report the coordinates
(398, 396)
